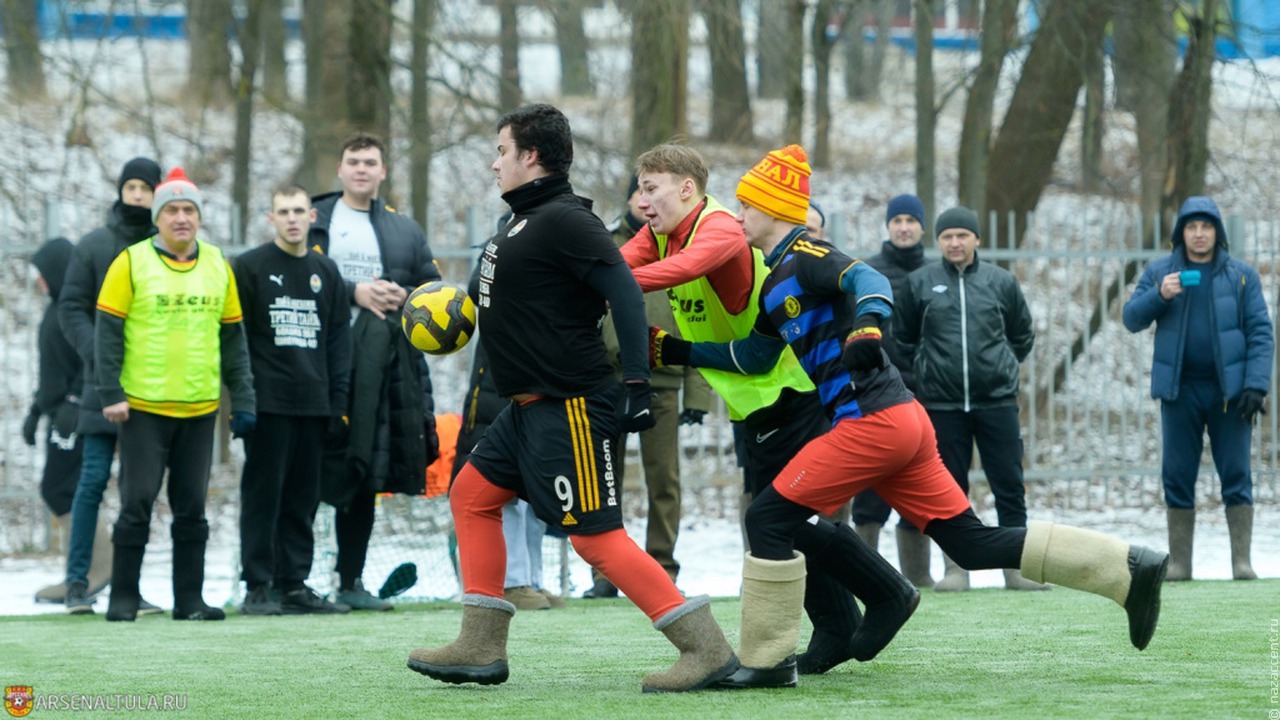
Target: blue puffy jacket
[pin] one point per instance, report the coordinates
(1242, 325)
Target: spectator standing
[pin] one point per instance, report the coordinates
(382, 256)
(297, 322)
(129, 221)
(899, 256)
(168, 334)
(1211, 370)
(966, 328)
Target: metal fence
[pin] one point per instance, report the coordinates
(1091, 430)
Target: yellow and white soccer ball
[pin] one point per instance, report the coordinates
(438, 318)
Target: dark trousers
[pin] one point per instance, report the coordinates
(149, 445)
(1183, 422)
(279, 493)
(353, 527)
(999, 439)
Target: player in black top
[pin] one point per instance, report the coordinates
(828, 308)
(544, 282)
(298, 325)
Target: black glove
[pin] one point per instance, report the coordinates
(689, 416)
(862, 346)
(666, 350)
(30, 425)
(242, 424)
(65, 418)
(637, 415)
(433, 439)
(1252, 402)
(337, 432)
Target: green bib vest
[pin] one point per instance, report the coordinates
(172, 348)
(701, 317)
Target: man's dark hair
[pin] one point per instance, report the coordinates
(361, 140)
(543, 128)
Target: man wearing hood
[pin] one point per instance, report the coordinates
(1211, 370)
(129, 221)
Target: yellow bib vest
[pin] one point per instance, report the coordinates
(701, 317)
(172, 347)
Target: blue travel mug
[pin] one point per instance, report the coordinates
(1189, 278)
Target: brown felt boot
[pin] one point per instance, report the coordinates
(870, 534)
(913, 555)
(1182, 532)
(705, 656)
(100, 564)
(1013, 580)
(1240, 528)
(954, 577)
(1086, 560)
(60, 531)
(479, 655)
(772, 603)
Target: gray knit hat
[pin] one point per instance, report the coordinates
(957, 217)
(175, 187)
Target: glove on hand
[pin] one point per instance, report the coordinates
(30, 425)
(242, 424)
(665, 350)
(336, 434)
(636, 412)
(433, 438)
(66, 417)
(1252, 402)
(862, 347)
(689, 416)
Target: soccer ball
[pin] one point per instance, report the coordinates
(438, 318)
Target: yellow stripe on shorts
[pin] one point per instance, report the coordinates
(584, 458)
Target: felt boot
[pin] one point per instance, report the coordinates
(835, 617)
(479, 654)
(1013, 580)
(1240, 528)
(126, 569)
(705, 656)
(954, 577)
(913, 555)
(60, 531)
(1182, 532)
(870, 534)
(772, 600)
(1086, 560)
(189, 540)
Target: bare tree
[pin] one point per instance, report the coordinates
(22, 49)
(1145, 55)
(823, 41)
(1042, 106)
(571, 39)
(793, 67)
(248, 32)
(1189, 110)
(420, 128)
(275, 83)
(998, 17)
(1093, 125)
(509, 95)
(926, 112)
(659, 72)
(209, 67)
(326, 27)
(731, 119)
(772, 48)
(862, 71)
(369, 96)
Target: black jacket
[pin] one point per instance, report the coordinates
(78, 301)
(896, 263)
(971, 369)
(406, 257)
(61, 369)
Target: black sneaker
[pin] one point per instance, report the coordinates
(146, 608)
(259, 602)
(78, 601)
(305, 601)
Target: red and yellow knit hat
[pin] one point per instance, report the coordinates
(779, 185)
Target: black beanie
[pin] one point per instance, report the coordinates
(957, 217)
(139, 168)
(633, 186)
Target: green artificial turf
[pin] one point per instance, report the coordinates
(983, 654)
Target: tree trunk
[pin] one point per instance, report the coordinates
(1145, 58)
(248, 33)
(209, 67)
(571, 39)
(998, 18)
(926, 114)
(855, 51)
(659, 72)
(823, 42)
(420, 148)
(275, 81)
(1093, 125)
(1189, 108)
(369, 95)
(22, 50)
(1042, 106)
(509, 96)
(772, 49)
(731, 119)
(793, 129)
(870, 85)
(326, 28)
